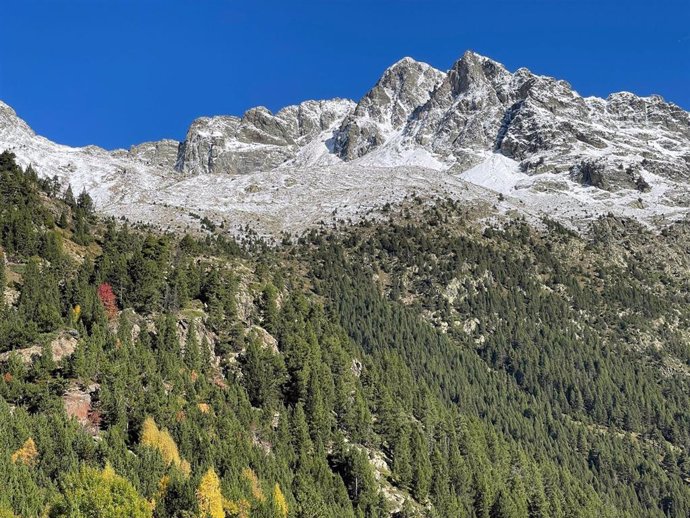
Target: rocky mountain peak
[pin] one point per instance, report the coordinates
(532, 138)
(473, 71)
(403, 87)
(387, 107)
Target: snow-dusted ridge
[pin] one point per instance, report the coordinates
(471, 133)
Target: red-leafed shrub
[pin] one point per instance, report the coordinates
(108, 299)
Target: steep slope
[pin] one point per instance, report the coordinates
(532, 139)
(385, 110)
(424, 365)
(102, 173)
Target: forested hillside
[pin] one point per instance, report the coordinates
(423, 365)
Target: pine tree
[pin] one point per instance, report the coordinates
(85, 203)
(482, 496)
(63, 221)
(264, 374)
(69, 198)
(3, 278)
(317, 413)
(503, 507)
(402, 458)
(422, 473)
(269, 306)
(39, 301)
(300, 433)
(538, 505)
(82, 230)
(192, 355)
(359, 479)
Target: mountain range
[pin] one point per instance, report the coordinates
(503, 331)
(479, 133)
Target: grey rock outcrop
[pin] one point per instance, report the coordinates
(466, 112)
(532, 138)
(162, 153)
(387, 107)
(258, 141)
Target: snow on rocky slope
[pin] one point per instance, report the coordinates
(471, 133)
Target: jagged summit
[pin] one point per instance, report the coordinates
(532, 138)
(472, 71)
(386, 108)
(259, 140)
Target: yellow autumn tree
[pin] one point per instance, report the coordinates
(27, 454)
(209, 497)
(254, 483)
(108, 474)
(163, 484)
(93, 492)
(75, 314)
(149, 432)
(279, 502)
(238, 508)
(161, 440)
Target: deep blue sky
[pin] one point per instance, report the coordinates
(116, 73)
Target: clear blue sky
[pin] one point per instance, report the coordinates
(115, 72)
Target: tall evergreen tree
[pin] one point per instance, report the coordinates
(39, 301)
(3, 277)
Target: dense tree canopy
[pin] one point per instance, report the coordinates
(421, 366)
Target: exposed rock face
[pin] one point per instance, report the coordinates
(387, 107)
(541, 122)
(544, 124)
(62, 346)
(531, 138)
(162, 153)
(77, 402)
(25, 355)
(258, 141)
(557, 127)
(265, 339)
(595, 173)
(10, 296)
(203, 334)
(466, 112)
